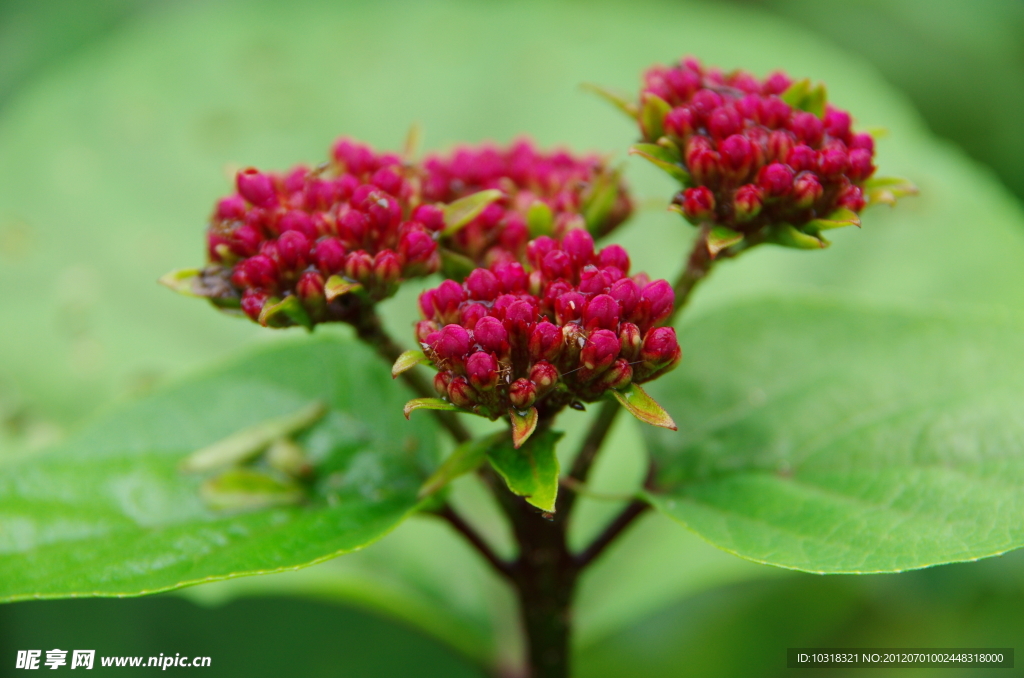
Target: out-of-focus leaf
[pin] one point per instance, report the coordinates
(110, 513)
(464, 210)
(843, 439)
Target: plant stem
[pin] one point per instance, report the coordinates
(449, 514)
(611, 532)
(371, 332)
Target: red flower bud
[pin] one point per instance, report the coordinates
(230, 208)
(737, 155)
(618, 376)
(545, 341)
(482, 370)
(460, 393)
(660, 351)
(491, 335)
(702, 160)
(837, 124)
(616, 256)
(430, 216)
(601, 312)
(747, 202)
(579, 246)
(724, 121)
(861, 166)
(451, 342)
(658, 297)
(483, 285)
(416, 247)
(259, 271)
(296, 220)
(569, 307)
(807, 127)
(310, 290)
(256, 187)
(627, 292)
(775, 179)
(387, 269)
(630, 339)
(470, 314)
(522, 393)
(780, 143)
(698, 204)
(252, 303)
(680, 122)
(293, 251)
(773, 112)
(544, 375)
(802, 157)
(833, 160)
(601, 349)
(359, 266)
(557, 264)
(807, 190)
(852, 198)
(865, 141)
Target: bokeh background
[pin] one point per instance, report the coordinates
(120, 121)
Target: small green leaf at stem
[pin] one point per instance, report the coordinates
(887, 190)
(464, 210)
(663, 159)
(523, 425)
(838, 219)
(285, 313)
(336, 286)
(600, 201)
(653, 110)
(539, 219)
(787, 235)
(247, 443)
(617, 100)
(181, 281)
(643, 407)
(530, 471)
(407, 361)
(428, 404)
(464, 459)
(720, 238)
(245, 489)
(455, 266)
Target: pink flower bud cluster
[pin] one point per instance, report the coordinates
(287, 234)
(753, 159)
(565, 329)
(564, 183)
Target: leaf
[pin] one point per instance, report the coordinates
(244, 489)
(284, 313)
(523, 425)
(887, 190)
(663, 159)
(787, 235)
(110, 513)
(407, 361)
(464, 210)
(429, 404)
(247, 443)
(643, 407)
(838, 219)
(720, 238)
(455, 266)
(600, 201)
(843, 439)
(539, 219)
(530, 471)
(465, 458)
(182, 281)
(617, 100)
(413, 140)
(337, 286)
(653, 110)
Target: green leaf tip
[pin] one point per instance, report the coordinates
(617, 100)
(788, 235)
(182, 281)
(653, 110)
(285, 313)
(887, 190)
(720, 238)
(428, 404)
(539, 219)
(464, 210)
(662, 158)
(523, 425)
(644, 407)
(803, 96)
(245, 489)
(407, 361)
(248, 442)
(336, 286)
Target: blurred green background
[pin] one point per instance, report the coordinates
(118, 118)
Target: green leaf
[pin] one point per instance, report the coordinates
(407, 361)
(842, 439)
(245, 489)
(530, 471)
(720, 238)
(284, 313)
(600, 200)
(455, 266)
(110, 513)
(337, 286)
(428, 404)
(653, 110)
(182, 281)
(247, 443)
(523, 425)
(539, 219)
(887, 190)
(464, 210)
(643, 407)
(617, 100)
(663, 159)
(465, 458)
(787, 235)
(838, 219)
(796, 93)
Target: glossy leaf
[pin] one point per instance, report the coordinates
(109, 512)
(246, 489)
(643, 407)
(337, 286)
(428, 404)
(285, 312)
(531, 471)
(523, 425)
(464, 210)
(407, 361)
(843, 439)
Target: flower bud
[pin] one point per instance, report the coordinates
(861, 166)
(297, 220)
(833, 160)
(698, 204)
(660, 352)
(658, 298)
(775, 179)
(256, 187)
(544, 375)
(359, 266)
(512, 277)
(807, 127)
(807, 190)
(601, 312)
(852, 198)
(579, 246)
(601, 349)
(387, 269)
(329, 255)
(538, 248)
(483, 285)
(416, 247)
(545, 341)
(482, 370)
(470, 314)
(702, 160)
(259, 271)
(424, 329)
(520, 317)
(724, 121)
(802, 157)
(747, 202)
(491, 335)
(780, 143)
(451, 342)
(865, 141)
(773, 112)
(522, 393)
(616, 256)
(569, 307)
(230, 208)
(630, 339)
(557, 264)
(293, 251)
(310, 290)
(680, 122)
(430, 216)
(737, 156)
(252, 303)
(837, 124)
(618, 376)
(460, 393)
(627, 292)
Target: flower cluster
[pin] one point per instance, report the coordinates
(562, 331)
(757, 153)
(287, 235)
(544, 194)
